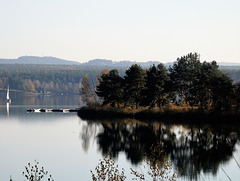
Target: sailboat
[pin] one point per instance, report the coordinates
(7, 97)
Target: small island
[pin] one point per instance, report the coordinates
(187, 90)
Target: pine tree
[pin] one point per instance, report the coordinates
(134, 83)
(110, 88)
(184, 75)
(157, 89)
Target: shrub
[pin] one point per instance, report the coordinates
(35, 173)
(157, 166)
(108, 170)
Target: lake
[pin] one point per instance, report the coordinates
(69, 147)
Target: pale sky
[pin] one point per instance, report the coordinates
(136, 30)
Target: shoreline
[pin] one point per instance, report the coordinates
(171, 116)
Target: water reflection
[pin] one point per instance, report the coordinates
(7, 105)
(21, 99)
(21, 102)
(88, 133)
(202, 148)
(194, 148)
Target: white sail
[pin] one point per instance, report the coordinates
(7, 94)
(8, 97)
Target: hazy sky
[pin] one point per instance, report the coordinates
(137, 30)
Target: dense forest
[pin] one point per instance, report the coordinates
(187, 81)
(47, 78)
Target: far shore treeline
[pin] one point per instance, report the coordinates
(67, 79)
(188, 83)
(46, 79)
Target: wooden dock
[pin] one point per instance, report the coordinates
(53, 110)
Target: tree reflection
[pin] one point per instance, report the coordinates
(193, 148)
(89, 131)
(202, 148)
(118, 136)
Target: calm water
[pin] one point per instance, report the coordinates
(69, 147)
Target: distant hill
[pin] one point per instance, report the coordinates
(110, 63)
(228, 64)
(38, 60)
(95, 62)
(58, 61)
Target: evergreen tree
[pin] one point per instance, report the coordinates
(236, 95)
(185, 77)
(110, 88)
(215, 88)
(222, 91)
(205, 86)
(134, 83)
(156, 86)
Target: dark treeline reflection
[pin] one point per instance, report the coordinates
(193, 148)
